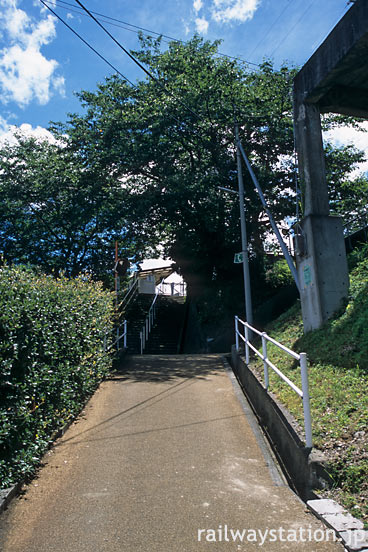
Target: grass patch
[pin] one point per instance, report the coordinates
(338, 376)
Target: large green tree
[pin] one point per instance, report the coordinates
(144, 164)
(171, 139)
(59, 211)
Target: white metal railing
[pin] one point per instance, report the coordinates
(172, 288)
(130, 293)
(148, 323)
(119, 336)
(302, 358)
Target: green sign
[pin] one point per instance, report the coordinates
(307, 275)
(238, 258)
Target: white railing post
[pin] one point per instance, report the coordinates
(141, 336)
(117, 339)
(237, 333)
(306, 401)
(265, 365)
(125, 334)
(246, 335)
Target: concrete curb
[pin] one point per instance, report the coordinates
(348, 528)
(303, 467)
(276, 472)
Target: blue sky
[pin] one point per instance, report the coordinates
(42, 63)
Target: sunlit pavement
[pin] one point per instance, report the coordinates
(164, 458)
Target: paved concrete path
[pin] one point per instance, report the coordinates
(164, 459)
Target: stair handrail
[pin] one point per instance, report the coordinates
(130, 293)
(349, 227)
(119, 336)
(148, 324)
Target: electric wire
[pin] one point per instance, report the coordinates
(109, 20)
(270, 29)
(101, 56)
(137, 62)
(292, 28)
(87, 43)
(253, 116)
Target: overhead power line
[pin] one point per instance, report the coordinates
(270, 28)
(137, 62)
(86, 43)
(135, 28)
(293, 27)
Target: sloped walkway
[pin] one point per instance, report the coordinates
(163, 459)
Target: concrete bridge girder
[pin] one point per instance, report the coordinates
(334, 79)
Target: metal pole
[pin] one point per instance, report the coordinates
(284, 249)
(237, 333)
(306, 401)
(247, 292)
(125, 334)
(116, 277)
(246, 335)
(265, 365)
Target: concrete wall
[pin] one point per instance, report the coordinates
(304, 468)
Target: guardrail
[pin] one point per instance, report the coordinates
(172, 288)
(130, 293)
(302, 358)
(119, 337)
(147, 326)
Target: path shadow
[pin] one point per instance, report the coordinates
(161, 368)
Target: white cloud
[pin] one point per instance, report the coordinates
(225, 11)
(7, 132)
(201, 25)
(25, 73)
(346, 135)
(197, 5)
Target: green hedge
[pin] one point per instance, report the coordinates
(52, 358)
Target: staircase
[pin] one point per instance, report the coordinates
(166, 331)
(136, 315)
(167, 327)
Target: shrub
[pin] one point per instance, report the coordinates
(52, 358)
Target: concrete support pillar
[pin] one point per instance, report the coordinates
(312, 171)
(322, 268)
(320, 248)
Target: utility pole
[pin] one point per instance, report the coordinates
(247, 291)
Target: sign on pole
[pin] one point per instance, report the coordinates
(238, 258)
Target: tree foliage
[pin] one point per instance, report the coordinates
(58, 210)
(144, 164)
(172, 140)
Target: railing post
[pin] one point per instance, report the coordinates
(237, 333)
(306, 401)
(246, 335)
(141, 336)
(125, 334)
(265, 365)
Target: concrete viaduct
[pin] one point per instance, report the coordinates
(335, 79)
